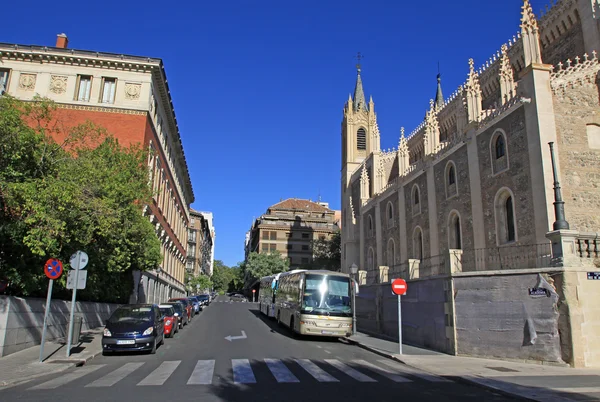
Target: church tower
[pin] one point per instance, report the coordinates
(360, 138)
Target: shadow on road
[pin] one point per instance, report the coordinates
(283, 330)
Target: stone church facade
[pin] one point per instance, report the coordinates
(471, 189)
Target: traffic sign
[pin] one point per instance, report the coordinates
(399, 287)
(81, 280)
(79, 260)
(53, 268)
(253, 290)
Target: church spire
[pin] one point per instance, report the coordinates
(359, 94)
(439, 97)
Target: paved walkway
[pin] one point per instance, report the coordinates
(535, 382)
(24, 365)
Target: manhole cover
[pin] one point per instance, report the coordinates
(503, 369)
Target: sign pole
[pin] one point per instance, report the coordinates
(47, 312)
(70, 334)
(400, 323)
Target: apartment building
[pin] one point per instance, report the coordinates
(201, 243)
(130, 97)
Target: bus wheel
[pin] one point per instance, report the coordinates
(279, 318)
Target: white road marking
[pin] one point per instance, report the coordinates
(242, 372)
(115, 376)
(357, 375)
(314, 370)
(383, 371)
(280, 371)
(161, 374)
(62, 379)
(203, 373)
(414, 372)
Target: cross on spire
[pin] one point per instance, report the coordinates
(359, 57)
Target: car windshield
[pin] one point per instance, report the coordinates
(132, 314)
(168, 311)
(177, 307)
(327, 295)
(203, 297)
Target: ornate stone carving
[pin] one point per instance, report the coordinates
(132, 91)
(27, 82)
(58, 84)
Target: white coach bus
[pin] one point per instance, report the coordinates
(315, 302)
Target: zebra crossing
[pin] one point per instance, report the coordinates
(327, 371)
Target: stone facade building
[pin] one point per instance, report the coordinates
(130, 97)
(289, 227)
(471, 191)
(201, 244)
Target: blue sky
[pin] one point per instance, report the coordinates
(259, 86)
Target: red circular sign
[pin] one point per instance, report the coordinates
(253, 290)
(53, 268)
(399, 287)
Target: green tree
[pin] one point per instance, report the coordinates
(327, 253)
(259, 265)
(86, 193)
(222, 276)
(199, 284)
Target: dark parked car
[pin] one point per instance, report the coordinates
(187, 305)
(204, 299)
(237, 297)
(180, 313)
(134, 327)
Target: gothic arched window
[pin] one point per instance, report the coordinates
(451, 176)
(500, 149)
(506, 223)
(390, 215)
(361, 139)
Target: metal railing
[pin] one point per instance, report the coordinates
(505, 257)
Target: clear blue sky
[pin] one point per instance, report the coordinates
(259, 86)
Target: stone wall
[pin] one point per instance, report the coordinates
(423, 313)
(22, 320)
(568, 45)
(516, 177)
(390, 233)
(449, 200)
(420, 219)
(496, 317)
(577, 113)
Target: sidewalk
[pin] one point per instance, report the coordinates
(24, 365)
(534, 382)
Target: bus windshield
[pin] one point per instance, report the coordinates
(327, 295)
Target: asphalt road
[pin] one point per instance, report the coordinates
(268, 365)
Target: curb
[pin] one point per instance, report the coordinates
(464, 380)
(71, 363)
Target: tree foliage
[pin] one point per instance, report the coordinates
(259, 265)
(327, 253)
(200, 284)
(85, 193)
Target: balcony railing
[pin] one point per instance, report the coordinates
(503, 258)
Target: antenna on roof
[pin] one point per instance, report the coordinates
(319, 197)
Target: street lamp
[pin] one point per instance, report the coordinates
(354, 271)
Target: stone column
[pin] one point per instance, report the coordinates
(383, 274)
(434, 243)
(564, 248)
(413, 268)
(476, 196)
(454, 263)
(402, 221)
(378, 234)
(362, 277)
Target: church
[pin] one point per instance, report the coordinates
(500, 178)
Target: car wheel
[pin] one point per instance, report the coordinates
(153, 351)
(279, 318)
(105, 353)
(162, 341)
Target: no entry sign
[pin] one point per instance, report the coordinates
(53, 268)
(399, 287)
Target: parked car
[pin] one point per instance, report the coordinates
(171, 320)
(187, 305)
(204, 299)
(134, 327)
(197, 306)
(180, 313)
(237, 297)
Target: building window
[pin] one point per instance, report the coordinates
(273, 247)
(109, 86)
(304, 260)
(499, 152)
(390, 215)
(361, 139)
(418, 244)
(265, 247)
(290, 246)
(84, 88)
(391, 253)
(451, 185)
(416, 200)
(305, 235)
(273, 236)
(370, 259)
(454, 231)
(265, 235)
(370, 231)
(506, 223)
(4, 74)
(305, 247)
(288, 234)
(321, 237)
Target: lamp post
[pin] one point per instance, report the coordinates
(354, 271)
(559, 205)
